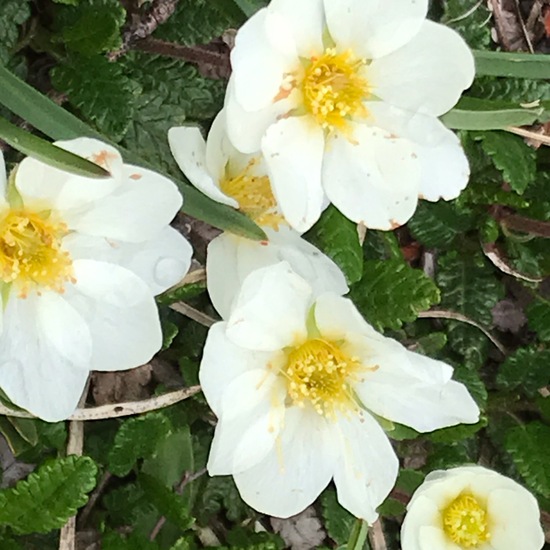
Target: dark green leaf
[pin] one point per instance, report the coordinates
(471, 19)
(468, 286)
(392, 293)
(512, 156)
(137, 438)
(338, 521)
(49, 496)
(529, 447)
(337, 237)
(522, 65)
(110, 103)
(528, 368)
(538, 314)
(12, 14)
(116, 541)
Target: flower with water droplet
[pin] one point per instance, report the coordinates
(227, 176)
(298, 383)
(80, 262)
(342, 98)
(471, 508)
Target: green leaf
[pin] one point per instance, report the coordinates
(529, 447)
(92, 28)
(520, 65)
(478, 114)
(220, 493)
(538, 314)
(12, 14)
(135, 541)
(167, 503)
(527, 367)
(42, 150)
(250, 7)
(512, 156)
(137, 438)
(471, 19)
(110, 103)
(49, 496)
(436, 225)
(468, 286)
(337, 237)
(516, 90)
(181, 293)
(457, 433)
(473, 382)
(338, 521)
(392, 293)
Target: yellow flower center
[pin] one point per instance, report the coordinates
(319, 372)
(31, 256)
(333, 89)
(254, 195)
(465, 522)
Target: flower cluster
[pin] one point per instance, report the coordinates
(330, 101)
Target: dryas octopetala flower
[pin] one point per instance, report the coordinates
(295, 381)
(471, 508)
(222, 173)
(80, 262)
(342, 98)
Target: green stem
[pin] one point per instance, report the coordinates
(358, 535)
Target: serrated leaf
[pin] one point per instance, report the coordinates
(220, 493)
(337, 237)
(469, 342)
(116, 541)
(12, 14)
(338, 521)
(473, 382)
(49, 496)
(436, 225)
(512, 156)
(517, 90)
(529, 447)
(457, 433)
(173, 94)
(471, 19)
(93, 27)
(100, 91)
(468, 286)
(392, 293)
(181, 293)
(167, 503)
(137, 438)
(527, 367)
(538, 315)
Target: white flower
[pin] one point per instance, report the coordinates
(293, 380)
(342, 98)
(222, 173)
(471, 508)
(80, 262)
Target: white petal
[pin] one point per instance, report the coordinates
(231, 259)
(120, 312)
(47, 187)
(367, 467)
(45, 351)
(445, 168)
(245, 129)
(420, 76)
(432, 538)
(516, 517)
(264, 50)
(416, 391)
(373, 28)
(424, 512)
(300, 466)
(161, 261)
(306, 21)
(3, 177)
(270, 310)
(293, 151)
(337, 317)
(189, 150)
(374, 180)
(222, 362)
(135, 211)
(252, 416)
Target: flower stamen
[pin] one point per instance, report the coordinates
(333, 90)
(31, 256)
(465, 522)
